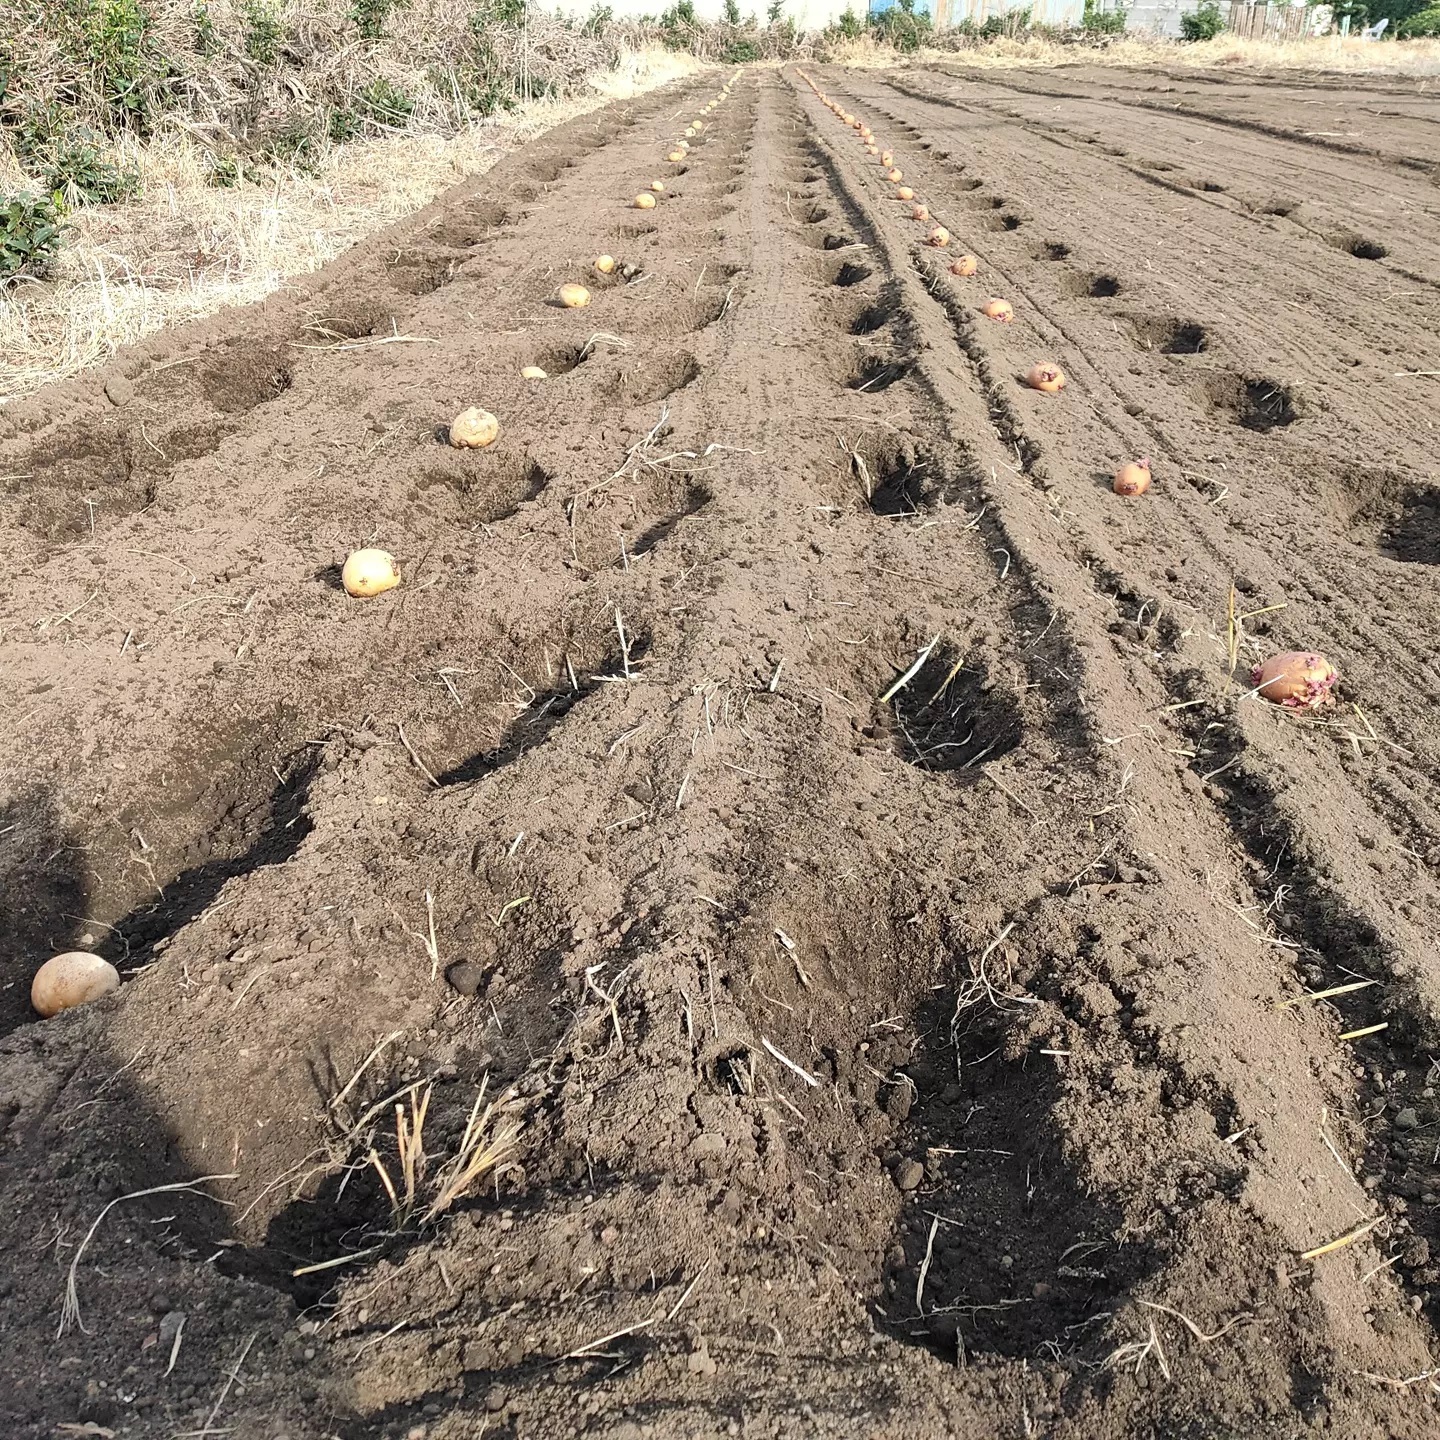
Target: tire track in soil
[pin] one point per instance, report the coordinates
(739, 846)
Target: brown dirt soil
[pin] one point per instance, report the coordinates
(938, 1066)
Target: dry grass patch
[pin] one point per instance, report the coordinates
(1330, 53)
(186, 249)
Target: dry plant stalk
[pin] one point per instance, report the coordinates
(482, 1150)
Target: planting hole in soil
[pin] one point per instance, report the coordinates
(850, 274)
(953, 716)
(1170, 337)
(876, 374)
(1411, 530)
(1261, 405)
(1360, 247)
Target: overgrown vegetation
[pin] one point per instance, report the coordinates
(901, 27)
(1098, 21)
(1203, 23)
(31, 228)
(1422, 23)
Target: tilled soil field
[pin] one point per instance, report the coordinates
(918, 986)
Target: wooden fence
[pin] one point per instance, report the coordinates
(1269, 22)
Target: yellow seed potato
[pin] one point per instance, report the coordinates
(75, 978)
(474, 429)
(369, 572)
(534, 372)
(574, 297)
(658, 186)
(605, 264)
(643, 201)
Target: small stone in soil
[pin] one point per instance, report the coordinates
(908, 1174)
(466, 977)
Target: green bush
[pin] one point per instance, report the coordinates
(32, 229)
(370, 16)
(740, 52)
(298, 143)
(599, 17)
(206, 41)
(77, 170)
(1102, 22)
(849, 25)
(384, 104)
(1204, 23)
(901, 27)
(264, 32)
(1425, 22)
(224, 172)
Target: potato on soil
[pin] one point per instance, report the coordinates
(369, 572)
(534, 372)
(904, 193)
(964, 265)
(75, 978)
(1298, 679)
(1045, 375)
(1133, 478)
(474, 429)
(644, 201)
(605, 264)
(939, 237)
(574, 297)
(994, 309)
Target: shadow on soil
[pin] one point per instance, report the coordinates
(997, 1250)
(43, 895)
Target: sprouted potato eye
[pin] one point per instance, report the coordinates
(1298, 679)
(369, 572)
(1133, 478)
(1045, 375)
